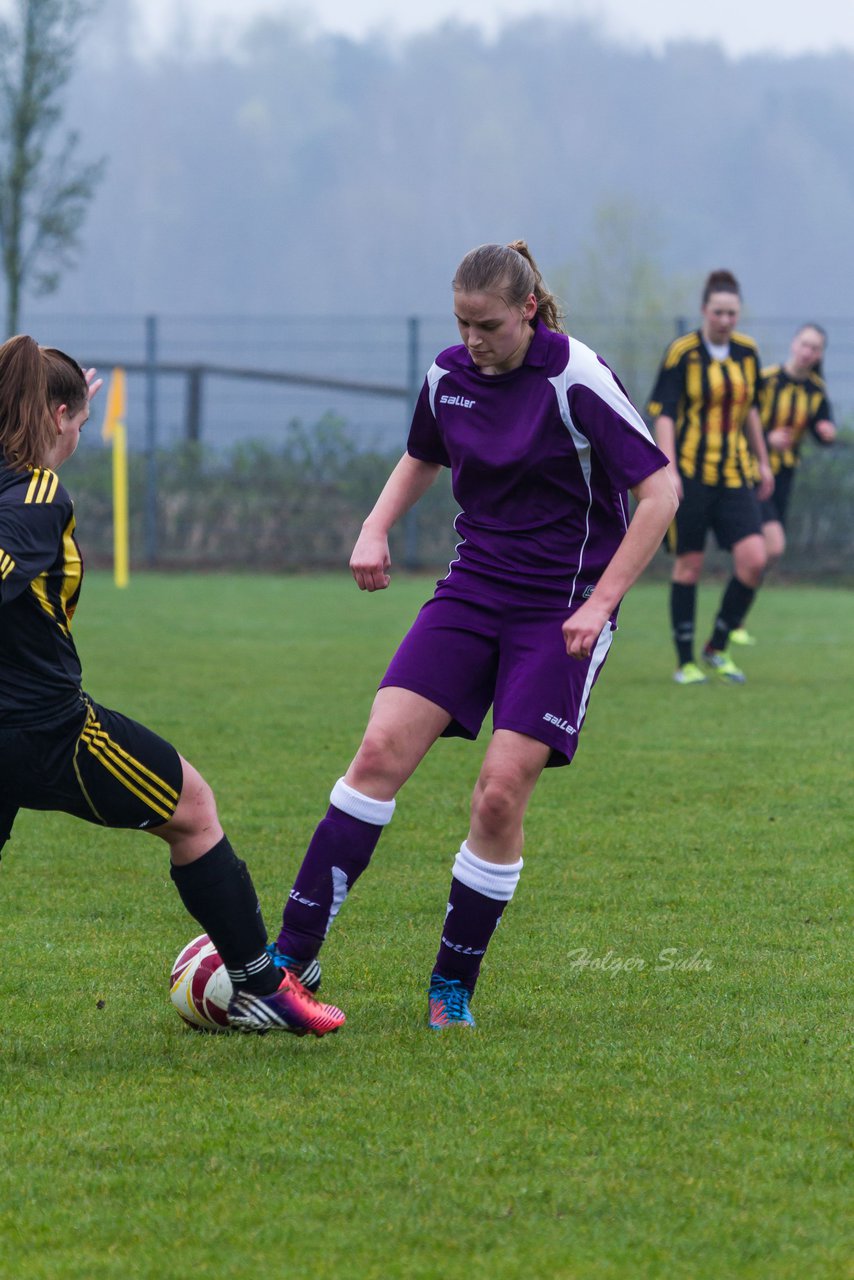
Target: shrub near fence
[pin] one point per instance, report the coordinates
(299, 505)
(290, 507)
(821, 525)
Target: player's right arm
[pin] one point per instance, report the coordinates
(664, 429)
(371, 561)
(756, 440)
(664, 404)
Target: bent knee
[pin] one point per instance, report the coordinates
(497, 803)
(196, 808)
(750, 559)
(688, 569)
(775, 543)
(378, 757)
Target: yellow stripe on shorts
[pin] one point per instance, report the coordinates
(133, 775)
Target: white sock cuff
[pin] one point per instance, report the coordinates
(349, 800)
(492, 879)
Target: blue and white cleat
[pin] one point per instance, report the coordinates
(448, 1004)
(308, 971)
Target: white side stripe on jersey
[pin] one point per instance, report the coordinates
(582, 448)
(586, 369)
(456, 556)
(434, 376)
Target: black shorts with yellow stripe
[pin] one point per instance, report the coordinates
(774, 508)
(731, 514)
(95, 764)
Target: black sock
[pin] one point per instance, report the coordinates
(683, 607)
(217, 891)
(736, 601)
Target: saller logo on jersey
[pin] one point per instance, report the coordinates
(560, 724)
(460, 400)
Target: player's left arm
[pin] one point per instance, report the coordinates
(756, 440)
(821, 425)
(29, 538)
(657, 501)
(824, 431)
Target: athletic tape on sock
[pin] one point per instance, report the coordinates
(492, 879)
(357, 805)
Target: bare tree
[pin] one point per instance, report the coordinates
(44, 189)
(621, 294)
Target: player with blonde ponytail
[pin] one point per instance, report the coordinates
(511, 271)
(543, 445)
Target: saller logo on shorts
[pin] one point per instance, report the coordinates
(559, 723)
(460, 400)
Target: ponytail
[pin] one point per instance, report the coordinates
(509, 270)
(34, 381)
(548, 307)
(27, 429)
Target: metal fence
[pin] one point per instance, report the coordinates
(218, 382)
(221, 380)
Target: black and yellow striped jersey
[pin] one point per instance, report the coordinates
(40, 575)
(709, 400)
(795, 403)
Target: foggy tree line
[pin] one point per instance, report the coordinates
(305, 174)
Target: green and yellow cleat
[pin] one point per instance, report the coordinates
(742, 637)
(722, 664)
(689, 673)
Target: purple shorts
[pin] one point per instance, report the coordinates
(466, 655)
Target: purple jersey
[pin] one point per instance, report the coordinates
(541, 459)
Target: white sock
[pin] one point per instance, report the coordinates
(349, 800)
(492, 879)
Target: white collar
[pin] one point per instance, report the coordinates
(717, 350)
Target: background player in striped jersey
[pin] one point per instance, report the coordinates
(60, 750)
(793, 402)
(705, 406)
(542, 445)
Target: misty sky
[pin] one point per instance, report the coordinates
(741, 26)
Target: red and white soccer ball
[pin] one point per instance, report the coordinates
(200, 987)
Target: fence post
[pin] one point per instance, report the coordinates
(150, 520)
(413, 383)
(193, 421)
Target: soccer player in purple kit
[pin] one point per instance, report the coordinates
(543, 445)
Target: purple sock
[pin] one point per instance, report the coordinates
(479, 893)
(339, 852)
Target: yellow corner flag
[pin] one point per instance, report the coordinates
(114, 429)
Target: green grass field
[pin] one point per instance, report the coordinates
(639, 1115)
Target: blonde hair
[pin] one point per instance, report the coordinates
(35, 380)
(510, 271)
